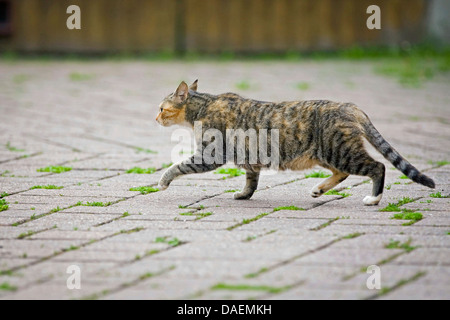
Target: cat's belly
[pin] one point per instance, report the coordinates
(300, 163)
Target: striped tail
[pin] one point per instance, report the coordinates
(375, 138)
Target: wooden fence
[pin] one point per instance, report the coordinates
(210, 26)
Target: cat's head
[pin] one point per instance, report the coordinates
(172, 109)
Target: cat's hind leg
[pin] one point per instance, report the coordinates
(251, 184)
(377, 176)
(324, 186)
(364, 165)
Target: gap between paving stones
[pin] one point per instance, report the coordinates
(54, 143)
(330, 221)
(143, 277)
(118, 143)
(398, 285)
(115, 289)
(24, 156)
(57, 253)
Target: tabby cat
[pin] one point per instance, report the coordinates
(316, 132)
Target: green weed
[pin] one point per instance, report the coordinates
(54, 169)
(76, 76)
(5, 286)
(144, 189)
(173, 242)
(317, 174)
(243, 85)
(334, 192)
(96, 204)
(438, 195)
(49, 186)
(3, 205)
(405, 200)
(141, 170)
(139, 149)
(439, 163)
(232, 172)
(248, 287)
(398, 245)
(408, 215)
(20, 78)
(13, 149)
(302, 86)
(352, 235)
(287, 208)
(410, 72)
(25, 234)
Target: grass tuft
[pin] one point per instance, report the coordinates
(231, 172)
(144, 190)
(5, 286)
(246, 287)
(54, 169)
(96, 204)
(398, 245)
(408, 215)
(173, 242)
(13, 149)
(302, 86)
(76, 76)
(334, 192)
(317, 174)
(141, 170)
(438, 195)
(145, 150)
(287, 208)
(3, 205)
(243, 85)
(49, 186)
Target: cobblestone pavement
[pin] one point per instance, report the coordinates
(193, 240)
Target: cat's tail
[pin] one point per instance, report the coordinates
(377, 140)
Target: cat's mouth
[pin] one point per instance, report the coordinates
(160, 120)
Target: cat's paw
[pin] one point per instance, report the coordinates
(372, 201)
(316, 192)
(162, 187)
(242, 196)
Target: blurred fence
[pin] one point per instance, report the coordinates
(210, 26)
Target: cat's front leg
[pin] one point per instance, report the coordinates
(251, 185)
(187, 166)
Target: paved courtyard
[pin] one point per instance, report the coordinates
(94, 121)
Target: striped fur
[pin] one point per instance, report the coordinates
(316, 132)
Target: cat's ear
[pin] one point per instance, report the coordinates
(193, 86)
(181, 93)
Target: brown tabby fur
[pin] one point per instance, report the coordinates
(316, 132)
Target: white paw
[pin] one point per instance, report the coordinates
(162, 188)
(316, 192)
(371, 201)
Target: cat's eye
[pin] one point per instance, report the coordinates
(161, 109)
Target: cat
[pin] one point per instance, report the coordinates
(312, 132)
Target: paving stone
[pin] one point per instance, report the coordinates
(168, 246)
